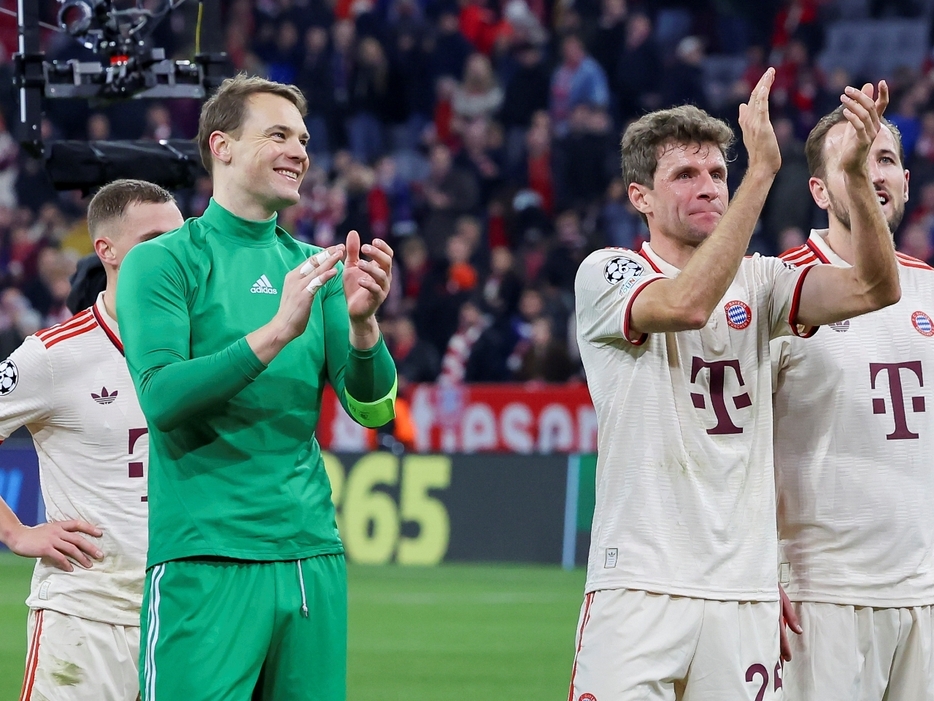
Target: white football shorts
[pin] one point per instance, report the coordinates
(75, 659)
(860, 653)
(637, 646)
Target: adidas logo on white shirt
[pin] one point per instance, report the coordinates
(263, 286)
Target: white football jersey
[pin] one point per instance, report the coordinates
(685, 493)
(69, 386)
(854, 449)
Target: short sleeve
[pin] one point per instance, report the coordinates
(784, 282)
(607, 283)
(26, 387)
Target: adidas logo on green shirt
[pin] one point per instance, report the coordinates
(263, 286)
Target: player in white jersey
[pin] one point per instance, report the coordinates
(682, 597)
(70, 387)
(854, 436)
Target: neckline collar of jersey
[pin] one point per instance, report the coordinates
(817, 242)
(656, 261)
(107, 323)
(245, 232)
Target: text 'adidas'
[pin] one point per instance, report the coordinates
(263, 286)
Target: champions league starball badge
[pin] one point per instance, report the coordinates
(9, 377)
(619, 269)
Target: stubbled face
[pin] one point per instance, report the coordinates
(268, 159)
(689, 193)
(141, 221)
(888, 175)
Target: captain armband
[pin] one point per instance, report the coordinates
(374, 414)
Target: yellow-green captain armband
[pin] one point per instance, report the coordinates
(374, 414)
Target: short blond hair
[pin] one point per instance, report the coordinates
(226, 109)
(111, 201)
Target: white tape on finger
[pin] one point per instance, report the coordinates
(315, 284)
(313, 262)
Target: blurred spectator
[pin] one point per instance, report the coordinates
(638, 70)
(610, 36)
(8, 170)
(314, 78)
(415, 72)
(578, 80)
(449, 49)
(621, 224)
(683, 81)
(916, 242)
(449, 282)
(98, 127)
(789, 202)
(585, 159)
(158, 123)
(474, 352)
(526, 93)
(390, 202)
(545, 358)
(17, 320)
(535, 172)
(503, 285)
(478, 94)
(285, 57)
(471, 325)
(481, 155)
(446, 194)
(414, 267)
(790, 238)
(416, 360)
(566, 253)
(343, 59)
(374, 101)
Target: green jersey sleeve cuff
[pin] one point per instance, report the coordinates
(245, 359)
(373, 414)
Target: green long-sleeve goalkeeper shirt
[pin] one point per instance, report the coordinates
(234, 467)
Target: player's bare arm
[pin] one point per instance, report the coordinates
(831, 293)
(686, 302)
(366, 286)
(298, 292)
(58, 542)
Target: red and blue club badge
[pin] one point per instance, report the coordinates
(738, 314)
(923, 323)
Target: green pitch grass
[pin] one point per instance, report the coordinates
(449, 633)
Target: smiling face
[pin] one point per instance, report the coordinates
(264, 164)
(689, 193)
(888, 175)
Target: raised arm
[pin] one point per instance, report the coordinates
(833, 293)
(687, 301)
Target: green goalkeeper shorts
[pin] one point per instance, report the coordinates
(229, 630)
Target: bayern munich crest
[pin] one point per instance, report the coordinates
(921, 321)
(9, 377)
(738, 314)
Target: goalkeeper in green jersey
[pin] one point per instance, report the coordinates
(231, 329)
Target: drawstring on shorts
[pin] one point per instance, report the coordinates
(301, 584)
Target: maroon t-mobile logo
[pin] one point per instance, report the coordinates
(717, 402)
(897, 395)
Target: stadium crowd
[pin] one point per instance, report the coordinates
(481, 139)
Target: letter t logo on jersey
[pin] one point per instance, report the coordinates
(897, 395)
(717, 382)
